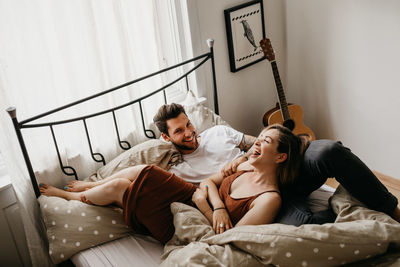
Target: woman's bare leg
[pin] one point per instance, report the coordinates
(128, 173)
(111, 192)
(107, 191)
(52, 191)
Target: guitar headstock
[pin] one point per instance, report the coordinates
(267, 49)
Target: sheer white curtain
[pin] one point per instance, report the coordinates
(55, 52)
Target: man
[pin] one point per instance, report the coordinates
(222, 148)
(203, 154)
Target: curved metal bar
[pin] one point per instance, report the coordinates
(207, 55)
(12, 111)
(22, 125)
(187, 83)
(90, 147)
(165, 97)
(63, 168)
(210, 43)
(153, 135)
(121, 143)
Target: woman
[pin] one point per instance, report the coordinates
(244, 198)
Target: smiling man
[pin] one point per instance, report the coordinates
(203, 154)
(181, 132)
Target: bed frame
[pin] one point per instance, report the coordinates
(98, 157)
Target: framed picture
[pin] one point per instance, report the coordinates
(245, 29)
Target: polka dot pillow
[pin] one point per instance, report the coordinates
(73, 226)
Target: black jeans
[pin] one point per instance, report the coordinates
(324, 159)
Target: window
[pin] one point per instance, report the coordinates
(54, 53)
(173, 22)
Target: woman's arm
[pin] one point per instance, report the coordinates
(221, 220)
(200, 199)
(212, 183)
(263, 210)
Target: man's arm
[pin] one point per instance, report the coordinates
(245, 145)
(247, 142)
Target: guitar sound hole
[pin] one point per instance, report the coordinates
(289, 124)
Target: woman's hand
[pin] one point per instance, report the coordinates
(231, 167)
(221, 221)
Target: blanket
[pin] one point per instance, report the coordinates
(357, 234)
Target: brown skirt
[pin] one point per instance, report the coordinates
(147, 200)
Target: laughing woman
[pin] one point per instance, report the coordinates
(244, 198)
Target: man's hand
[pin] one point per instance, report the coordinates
(247, 142)
(231, 167)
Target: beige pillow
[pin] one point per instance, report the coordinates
(203, 117)
(73, 226)
(154, 151)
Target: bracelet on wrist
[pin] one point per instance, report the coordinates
(221, 208)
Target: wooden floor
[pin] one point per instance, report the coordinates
(392, 184)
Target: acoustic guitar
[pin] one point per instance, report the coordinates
(289, 115)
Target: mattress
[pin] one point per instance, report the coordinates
(132, 250)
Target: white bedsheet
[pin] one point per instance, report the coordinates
(133, 250)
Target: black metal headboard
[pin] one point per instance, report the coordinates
(68, 170)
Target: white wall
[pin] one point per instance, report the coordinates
(246, 95)
(338, 59)
(343, 68)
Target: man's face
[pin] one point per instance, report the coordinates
(182, 134)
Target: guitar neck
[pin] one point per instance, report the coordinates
(281, 94)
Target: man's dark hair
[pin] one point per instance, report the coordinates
(167, 112)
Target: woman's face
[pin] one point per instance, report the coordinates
(265, 149)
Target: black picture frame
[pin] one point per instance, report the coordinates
(245, 28)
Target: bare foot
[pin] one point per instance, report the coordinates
(79, 186)
(49, 190)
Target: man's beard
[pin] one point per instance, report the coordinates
(183, 147)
